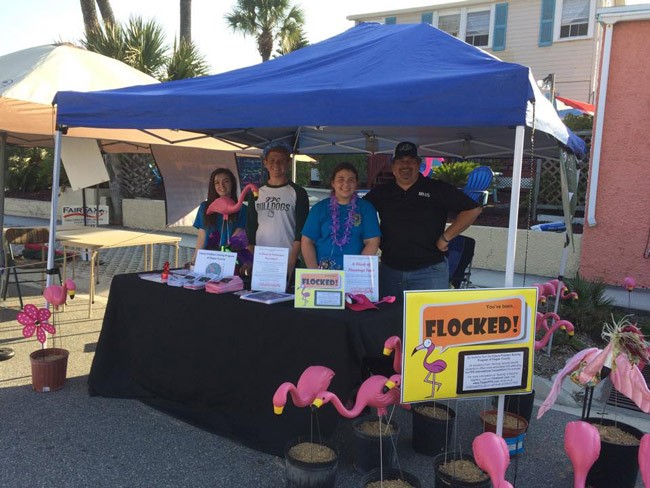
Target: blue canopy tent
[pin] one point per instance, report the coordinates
(361, 91)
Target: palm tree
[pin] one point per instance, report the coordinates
(185, 62)
(142, 45)
(89, 13)
(269, 21)
(186, 20)
(292, 44)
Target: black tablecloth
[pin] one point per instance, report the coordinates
(216, 361)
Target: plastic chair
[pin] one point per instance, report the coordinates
(19, 266)
(459, 259)
(478, 184)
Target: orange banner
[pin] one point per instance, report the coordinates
(454, 324)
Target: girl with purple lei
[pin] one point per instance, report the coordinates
(341, 224)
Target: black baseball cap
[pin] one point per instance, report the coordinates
(405, 149)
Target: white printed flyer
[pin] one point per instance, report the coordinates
(362, 276)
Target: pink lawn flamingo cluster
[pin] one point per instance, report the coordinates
(626, 348)
(57, 295)
(554, 288)
(314, 380)
(541, 323)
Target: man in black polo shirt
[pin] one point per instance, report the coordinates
(413, 213)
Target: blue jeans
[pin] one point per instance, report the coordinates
(394, 282)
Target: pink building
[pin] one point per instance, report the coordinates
(616, 238)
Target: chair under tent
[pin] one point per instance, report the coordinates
(478, 184)
(461, 252)
(31, 262)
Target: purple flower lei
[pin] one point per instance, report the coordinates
(349, 222)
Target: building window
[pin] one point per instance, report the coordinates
(450, 24)
(575, 18)
(390, 20)
(427, 18)
(477, 31)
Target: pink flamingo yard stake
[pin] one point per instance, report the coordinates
(57, 295)
(492, 456)
(394, 343)
(314, 380)
(226, 206)
(582, 445)
(560, 324)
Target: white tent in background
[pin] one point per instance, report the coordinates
(30, 78)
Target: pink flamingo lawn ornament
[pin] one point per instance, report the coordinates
(433, 368)
(312, 381)
(625, 349)
(226, 206)
(560, 324)
(629, 284)
(492, 456)
(541, 320)
(372, 393)
(394, 343)
(582, 445)
(56, 295)
(644, 459)
(561, 291)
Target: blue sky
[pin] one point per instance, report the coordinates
(28, 23)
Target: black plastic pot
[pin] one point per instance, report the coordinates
(301, 474)
(445, 481)
(617, 465)
(389, 475)
(431, 436)
(365, 448)
(521, 405)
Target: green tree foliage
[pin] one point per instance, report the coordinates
(30, 169)
(578, 122)
(270, 22)
(142, 44)
(592, 309)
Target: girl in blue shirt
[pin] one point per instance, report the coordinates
(341, 224)
(222, 182)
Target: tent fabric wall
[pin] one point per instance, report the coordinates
(185, 172)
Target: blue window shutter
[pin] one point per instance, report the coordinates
(500, 23)
(546, 23)
(427, 18)
(390, 20)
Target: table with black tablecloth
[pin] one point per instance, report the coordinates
(216, 360)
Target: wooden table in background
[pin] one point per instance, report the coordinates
(96, 238)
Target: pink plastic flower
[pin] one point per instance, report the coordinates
(629, 283)
(35, 320)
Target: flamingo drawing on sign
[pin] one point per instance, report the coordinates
(304, 294)
(433, 368)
